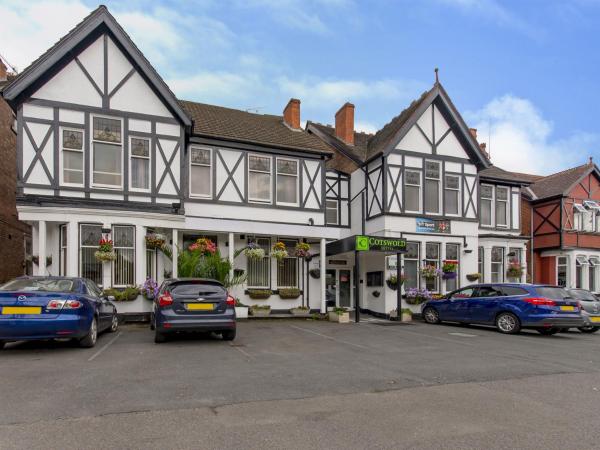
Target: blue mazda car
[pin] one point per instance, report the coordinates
(35, 308)
(508, 307)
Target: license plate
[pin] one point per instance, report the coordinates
(200, 306)
(21, 310)
(567, 308)
(595, 319)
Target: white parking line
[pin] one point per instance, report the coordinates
(330, 338)
(242, 351)
(463, 334)
(91, 358)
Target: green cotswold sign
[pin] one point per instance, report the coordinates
(380, 244)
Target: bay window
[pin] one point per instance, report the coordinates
(107, 145)
(501, 206)
(287, 181)
(412, 191)
(411, 265)
(124, 247)
(432, 258)
(259, 178)
(259, 271)
(72, 157)
(200, 172)
(287, 269)
(432, 187)
(497, 265)
(139, 149)
(452, 194)
(89, 239)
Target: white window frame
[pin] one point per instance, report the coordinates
(277, 175)
(63, 243)
(594, 262)
(420, 186)
(210, 171)
(567, 270)
(267, 257)
(93, 150)
(492, 206)
(120, 247)
(149, 158)
(437, 262)
(507, 202)
(457, 190)
(337, 211)
(440, 182)
(92, 246)
(290, 256)
(248, 170)
(62, 156)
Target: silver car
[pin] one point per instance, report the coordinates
(590, 311)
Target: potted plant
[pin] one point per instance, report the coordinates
(514, 269)
(415, 296)
(105, 251)
(260, 310)
(473, 276)
(429, 272)
(301, 311)
(128, 294)
(259, 294)
(279, 252)
(289, 293)
(406, 314)
(392, 281)
(449, 269)
(303, 250)
(254, 252)
(339, 315)
(155, 241)
(241, 310)
(149, 289)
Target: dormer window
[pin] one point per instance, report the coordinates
(591, 205)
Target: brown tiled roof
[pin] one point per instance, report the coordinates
(264, 129)
(361, 140)
(496, 173)
(559, 183)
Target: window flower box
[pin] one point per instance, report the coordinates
(127, 294)
(289, 293)
(416, 296)
(259, 294)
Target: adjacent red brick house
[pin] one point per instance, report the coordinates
(14, 235)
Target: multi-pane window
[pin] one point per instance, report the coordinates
(287, 269)
(287, 181)
(412, 191)
(259, 271)
(107, 152)
(452, 194)
(452, 254)
(411, 265)
(139, 150)
(259, 178)
(501, 206)
(562, 270)
(124, 247)
(487, 199)
(72, 156)
(200, 172)
(432, 258)
(432, 187)
(480, 259)
(89, 238)
(332, 212)
(62, 270)
(497, 265)
(593, 272)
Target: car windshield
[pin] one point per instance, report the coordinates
(583, 295)
(39, 284)
(554, 293)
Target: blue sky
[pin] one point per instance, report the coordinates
(522, 72)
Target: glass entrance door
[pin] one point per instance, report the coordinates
(345, 288)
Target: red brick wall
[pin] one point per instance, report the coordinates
(12, 232)
(546, 270)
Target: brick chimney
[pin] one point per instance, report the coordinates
(291, 113)
(3, 71)
(344, 123)
(473, 132)
(483, 148)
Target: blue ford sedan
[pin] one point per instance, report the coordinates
(508, 307)
(35, 308)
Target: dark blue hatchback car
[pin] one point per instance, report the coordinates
(509, 307)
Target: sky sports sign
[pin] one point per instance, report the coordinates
(380, 244)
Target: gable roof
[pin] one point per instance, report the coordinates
(241, 126)
(561, 183)
(63, 48)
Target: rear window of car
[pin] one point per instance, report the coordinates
(41, 285)
(196, 289)
(555, 293)
(583, 295)
(513, 290)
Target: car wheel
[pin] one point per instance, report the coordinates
(430, 315)
(228, 335)
(548, 331)
(159, 338)
(508, 323)
(152, 326)
(90, 339)
(114, 325)
(583, 329)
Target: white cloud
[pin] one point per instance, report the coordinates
(521, 139)
(365, 127)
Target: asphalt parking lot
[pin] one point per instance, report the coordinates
(301, 384)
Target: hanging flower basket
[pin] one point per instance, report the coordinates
(416, 296)
(254, 252)
(449, 269)
(155, 241)
(315, 273)
(279, 252)
(105, 251)
(430, 272)
(473, 276)
(302, 250)
(392, 282)
(204, 246)
(514, 271)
